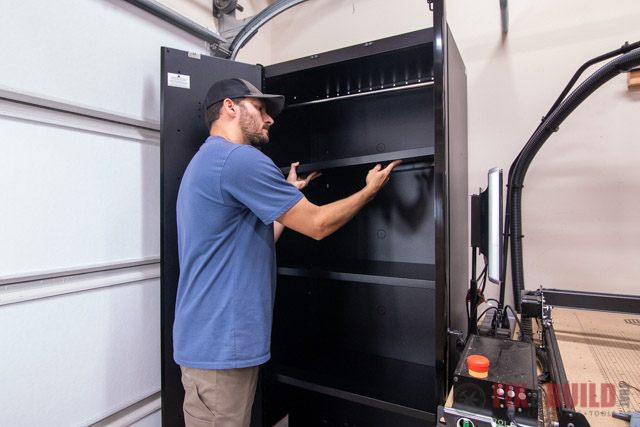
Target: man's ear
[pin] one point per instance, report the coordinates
(230, 107)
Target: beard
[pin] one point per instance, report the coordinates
(253, 129)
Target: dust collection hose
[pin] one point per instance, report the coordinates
(549, 125)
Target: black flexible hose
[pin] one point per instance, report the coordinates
(505, 237)
(623, 49)
(550, 125)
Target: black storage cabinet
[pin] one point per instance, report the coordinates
(361, 318)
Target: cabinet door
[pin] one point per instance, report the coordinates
(186, 77)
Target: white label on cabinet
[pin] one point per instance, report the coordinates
(179, 80)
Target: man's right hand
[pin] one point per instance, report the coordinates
(378, 177)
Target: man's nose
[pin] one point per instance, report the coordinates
(267, 119)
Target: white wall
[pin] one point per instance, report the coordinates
(79, 240)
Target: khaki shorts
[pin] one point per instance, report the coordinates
(218, 397)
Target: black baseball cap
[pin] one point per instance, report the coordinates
(239, 88)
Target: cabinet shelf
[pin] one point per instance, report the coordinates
(407, 156)
(373, 272)
(397, 386)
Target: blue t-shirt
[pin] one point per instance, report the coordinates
(229, 197)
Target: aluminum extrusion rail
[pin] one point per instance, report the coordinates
(174, 18)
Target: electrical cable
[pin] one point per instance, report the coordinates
(542, 358)
(483, 275)
(487, 309)
(511, 413)
(515, 315)
(472, 312)
(466, 306)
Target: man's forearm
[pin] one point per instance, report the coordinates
(318, 222)
(334, 215)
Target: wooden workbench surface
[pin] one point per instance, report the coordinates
(601, 356)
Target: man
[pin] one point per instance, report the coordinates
(233, 203)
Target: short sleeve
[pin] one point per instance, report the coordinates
(250, 178)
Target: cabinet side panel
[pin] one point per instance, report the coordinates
(458, 268)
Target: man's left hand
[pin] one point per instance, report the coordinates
(300, 182)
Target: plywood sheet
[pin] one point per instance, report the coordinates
(601, 356)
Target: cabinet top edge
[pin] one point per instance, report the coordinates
(401, 41)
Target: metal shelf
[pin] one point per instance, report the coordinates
(373, 272)
(354, 397)
(348, 375)
(407, 156)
